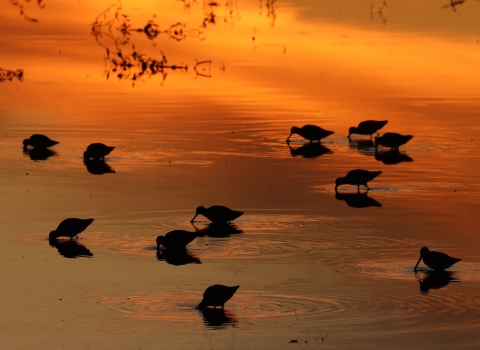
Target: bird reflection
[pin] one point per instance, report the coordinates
(392, 157)
(70, 248)
(37, 154)
(309, 150)
(357, 200)
(366, 147)
(97, 166)
(177, 257)
(217, 318)
(435, 279)
(218, 229)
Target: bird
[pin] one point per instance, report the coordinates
(367, 127)
(310, 132)
(217, 295)
(39, 141)
(357, 177)
(176, 239)
(70, 227)
(435, 260)
(97, 151)
(392, 140)
(218, 213)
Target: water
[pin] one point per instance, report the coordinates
(206, 124)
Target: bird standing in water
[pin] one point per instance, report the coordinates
(176, 239)
(97, 151)
(367, 127)
(70, 228)
(392, 140)
(435, 260)
(310, 132)
(218, 213)
(39, 141)
(217, 295)
(357, 177)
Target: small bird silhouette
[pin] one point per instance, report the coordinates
(392, 140)
(310, 132)
(70, 227)
(176, 239)
(218, 213)
(217, 295)
(97, 151)
(357, 177)
(39, 141)
(435, 260)
(367, 127)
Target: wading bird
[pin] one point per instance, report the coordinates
(218, 213)
(97, 151)
(310, 132)
(39, 141)
(217, 295)
(70, 228)
(435, 260)
(392, 140)
(176, 239)
(367, 127)
(357, 177)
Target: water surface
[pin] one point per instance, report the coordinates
(198, 98)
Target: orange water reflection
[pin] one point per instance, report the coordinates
(198, 99)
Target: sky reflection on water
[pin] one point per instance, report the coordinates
(198, 99)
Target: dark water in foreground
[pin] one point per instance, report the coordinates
(315, 269)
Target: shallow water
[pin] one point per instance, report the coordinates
(208, 126)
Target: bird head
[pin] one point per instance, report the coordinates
(199, 210)
(351, 131)
(26, 142)
(339, 181)
(160, 240)
(53, 235)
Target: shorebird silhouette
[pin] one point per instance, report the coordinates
(392, 140)
(367, 127)
(39, 141)
(217, 295)
(176, 239)
(97, 151)
(70, 227)
(435, 260)
(218, 213)
(310, 132)
(357, 177)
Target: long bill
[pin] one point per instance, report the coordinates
(418, 262)
(194, 218)
(288, 138)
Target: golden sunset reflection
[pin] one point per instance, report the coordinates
(198, 98)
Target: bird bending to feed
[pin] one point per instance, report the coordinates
(218, 213)
(217, 295)
(310, 132)
(435, 260)
(176, 239)
(357, 177)
(39, 141)
(367, 127)
(97, 151)
(70, 228)
(392, 140)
